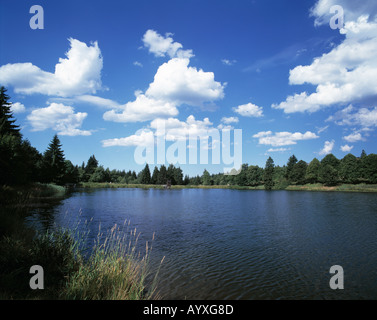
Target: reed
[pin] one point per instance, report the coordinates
(114, 269)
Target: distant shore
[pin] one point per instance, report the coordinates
(307, 187)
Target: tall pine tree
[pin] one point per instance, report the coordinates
(10, 143)
(269, 174)
(7, 125)
(54, 162)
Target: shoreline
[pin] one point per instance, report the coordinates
(369, 188)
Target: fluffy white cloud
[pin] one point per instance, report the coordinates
(354, 137)
(346, 148)
(363, 117)
(348, 73)
(161, 46)
(283, 138)
(175, 83)
(229, 120)
(18, 107)
(79, 73)
(327, 148)
(174, 129)
(170, 129)
(142, 109)
(141, 138)
(249, 110)
(60, 118)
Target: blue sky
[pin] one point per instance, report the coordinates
(98, 73)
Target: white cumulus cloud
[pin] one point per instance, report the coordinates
(351, 116)
(347, 74)
(327, 148)
(60, 118)
(17, 107)
(141, 138)
(249, 110)
(279, 139)
(346, 148)
(354, 137)
(161, 46)
(78, 73)
(229, 120)
(175, 83)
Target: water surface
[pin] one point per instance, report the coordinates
(232, 244)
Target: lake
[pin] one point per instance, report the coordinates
(233, 244)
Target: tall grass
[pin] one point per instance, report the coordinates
(114, 269)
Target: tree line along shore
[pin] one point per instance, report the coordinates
(21, 164)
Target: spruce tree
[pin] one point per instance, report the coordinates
(7, 125)
(162, 177)
(269, 173)
(145, 175)
(54, 161)
(290, 164)
(10, 144)
(156, 173)
(90, 168)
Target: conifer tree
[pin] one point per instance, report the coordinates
(268, 174)
(54, 161)
(145, 175)
(7, 125)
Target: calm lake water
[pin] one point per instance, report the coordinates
(231, 244)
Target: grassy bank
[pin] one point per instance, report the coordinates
(112, 270)
(154, 186)
(307, 187)
(22, 195)
(340, 188)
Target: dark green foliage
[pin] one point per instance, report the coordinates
(206, 178)
(7, 123)
(290, 165)
(20, 163)
(155, 175)
(71, 173)
(55, 252)
(99, 175)
(312, 171)
(54, 162)
(328, 175)
(254, 176)
(331, 160)
(162, 178)
(90, 168)
(269, 174)
(349, 169)
(298, 172)
(369, 164)
(145, 175)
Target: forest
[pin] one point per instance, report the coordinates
(22, 164)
